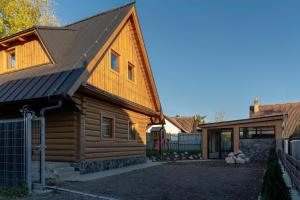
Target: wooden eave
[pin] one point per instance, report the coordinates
(147, 61)
(243, 121)
(5, 42)
(15, 36)
(106, 96)
(21, 36)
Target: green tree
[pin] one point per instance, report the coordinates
(220, 116)
(18, 15)
(200, 119)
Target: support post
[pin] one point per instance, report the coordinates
(28, 131)
(42, 152)
(177, 142)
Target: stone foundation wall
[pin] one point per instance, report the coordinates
(86, 167)
(257, 149)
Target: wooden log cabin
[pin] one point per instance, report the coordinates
(98, 67)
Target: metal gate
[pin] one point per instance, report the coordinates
(12, 153)
(20, 151)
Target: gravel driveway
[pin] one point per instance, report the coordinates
(178, 181)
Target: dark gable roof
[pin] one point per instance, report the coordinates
(71, 48)
(56, 40)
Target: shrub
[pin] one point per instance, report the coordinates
(154, 152)
(14, 191)
(274, 187)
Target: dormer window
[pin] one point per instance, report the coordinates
(11, 59)
(114, 61)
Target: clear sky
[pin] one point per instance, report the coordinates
(209, 56)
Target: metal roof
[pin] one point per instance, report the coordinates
(54, 84)
(242, 121)
(71, 47)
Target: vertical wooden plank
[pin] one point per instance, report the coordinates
(127, 46)
(28, 54)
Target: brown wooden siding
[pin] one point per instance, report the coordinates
(120, 146)
(61, 136)
(61, 132)
(127, 47)
(29, 53)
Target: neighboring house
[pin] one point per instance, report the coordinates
(170, 130)
(98, 68)
(188, 123)
(268, 126)
(258, 110)
(175, 125)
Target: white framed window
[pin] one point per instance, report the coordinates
(11, 59)
(107, 126)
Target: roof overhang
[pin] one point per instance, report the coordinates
(32, 101)
(103, 95)
(17, 36)
(243, 121)
(21, 37)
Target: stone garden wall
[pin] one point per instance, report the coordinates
(257, 149)
(86, 167)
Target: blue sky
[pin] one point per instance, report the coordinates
(209, 56)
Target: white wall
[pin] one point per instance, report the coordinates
(169, 127)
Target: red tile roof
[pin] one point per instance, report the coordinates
(188, 123)
(274, 109)
(290, 110)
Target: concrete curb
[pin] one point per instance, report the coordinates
(287, 179)
(112, 172)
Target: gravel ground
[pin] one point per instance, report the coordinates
(177, 181)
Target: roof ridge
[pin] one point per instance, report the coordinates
(63, 27)
(101, 13)
(185, 116)
(279, 104)
(55, 27)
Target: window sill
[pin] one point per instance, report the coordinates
(115, 71)
(131, 81)
(107, 139)
(132, 140)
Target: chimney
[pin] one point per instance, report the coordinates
(256, 105)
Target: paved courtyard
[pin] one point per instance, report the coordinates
(196, 180)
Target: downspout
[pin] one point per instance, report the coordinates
(43, 140)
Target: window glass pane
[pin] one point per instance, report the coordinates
(11, 59)
(130, 72)
(114, 61)
(107, 127)
(257, 132)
